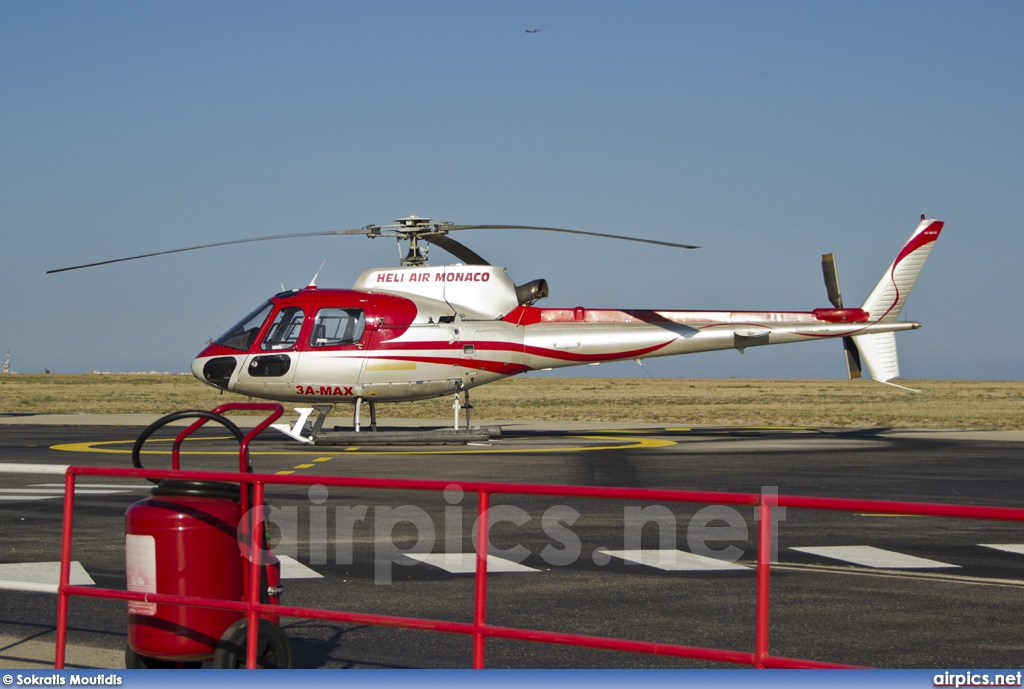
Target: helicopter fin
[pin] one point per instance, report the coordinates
(877, 351)
(887, 298)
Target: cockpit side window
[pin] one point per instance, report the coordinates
(243, 334)
(335, 326)
(284, 331)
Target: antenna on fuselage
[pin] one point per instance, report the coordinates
(312, 283)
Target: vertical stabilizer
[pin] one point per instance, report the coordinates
(887, 298)
(878, 351)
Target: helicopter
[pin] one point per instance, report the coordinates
(418, 331)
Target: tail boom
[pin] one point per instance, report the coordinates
(553, 338)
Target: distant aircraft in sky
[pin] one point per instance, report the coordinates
(532, 30)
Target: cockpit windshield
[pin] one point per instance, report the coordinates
(243, 334)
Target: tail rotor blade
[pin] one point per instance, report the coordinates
(853, 367)
(831, 274)
(828, 269)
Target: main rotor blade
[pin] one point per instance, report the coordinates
(456, 249)
(209, 246)
(559, 229)
(453, 247)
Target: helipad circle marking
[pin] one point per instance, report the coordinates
(107, 447)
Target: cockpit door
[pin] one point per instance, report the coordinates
(270, 366)
(333, 354)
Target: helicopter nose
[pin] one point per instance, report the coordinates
(216, 371)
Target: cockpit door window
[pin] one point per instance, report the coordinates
(284, 331)
(334, 326)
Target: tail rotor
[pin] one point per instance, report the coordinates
(831, 274)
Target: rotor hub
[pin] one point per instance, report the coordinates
(413, 222)
(411, 228)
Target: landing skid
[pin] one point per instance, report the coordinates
(442, 436)
(310, 432)
(295, 431)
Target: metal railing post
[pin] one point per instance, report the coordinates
(65, 571)
(480, 602)
(255, 562)
(764, 561)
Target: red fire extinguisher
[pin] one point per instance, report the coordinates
(184, 540)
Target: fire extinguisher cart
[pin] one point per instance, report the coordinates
(193, 538)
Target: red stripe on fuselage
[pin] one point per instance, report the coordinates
(528, 315)
(501, 367)
(558, 354)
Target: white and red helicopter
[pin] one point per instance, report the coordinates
(418, 331)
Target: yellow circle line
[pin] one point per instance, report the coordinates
(743, 428)
(632, 444)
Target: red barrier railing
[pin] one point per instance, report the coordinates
(479, 629)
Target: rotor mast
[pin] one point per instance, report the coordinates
(411, 228)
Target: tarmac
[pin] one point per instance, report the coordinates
(33, 653)
(30, 654)
(143, 420)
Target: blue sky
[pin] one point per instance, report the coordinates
(767, 133)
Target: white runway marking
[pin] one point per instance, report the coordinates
(41, 576)
(43, 491)
(465, 563)
(877, 558)
(1016, 548)
(56, 492)
(293, 569)
(675, 560)
(79, 484)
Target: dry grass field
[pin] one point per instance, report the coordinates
(940, 404)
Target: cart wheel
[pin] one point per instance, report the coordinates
(134, 661)
(274, 651)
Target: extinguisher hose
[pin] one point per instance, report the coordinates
(186, 414)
